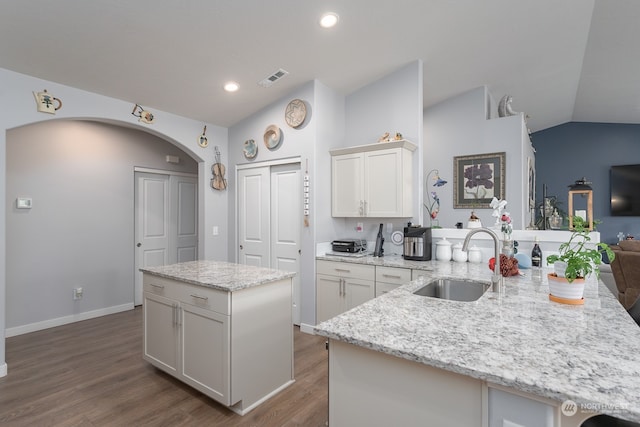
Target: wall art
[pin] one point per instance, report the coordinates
(477, 179)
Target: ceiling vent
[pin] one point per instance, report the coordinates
(274, 77)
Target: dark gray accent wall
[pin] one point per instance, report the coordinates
(570, 151)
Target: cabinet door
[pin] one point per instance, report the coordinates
(357, 291)
(347, 172)
(329, 299)
(387, 185)
(509, 409)
(160, 332)
(205, 351)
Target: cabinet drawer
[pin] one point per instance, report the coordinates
(393, 275)
(200, 296)
(383, 288)
(346, 270)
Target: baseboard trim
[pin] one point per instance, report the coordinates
(51, 323)
(3, 370)
(307, 329)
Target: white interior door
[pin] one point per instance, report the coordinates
(254, 216)
(286, 209)
(166, 223)
(152, 225)
(184, 196)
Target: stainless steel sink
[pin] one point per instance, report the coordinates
(454, 289)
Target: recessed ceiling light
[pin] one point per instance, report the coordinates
(329, 20)
(231, 86)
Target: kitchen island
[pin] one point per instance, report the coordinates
(225, 329)
(405, 359)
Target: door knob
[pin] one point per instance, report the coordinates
(241, 248)
(139, 244)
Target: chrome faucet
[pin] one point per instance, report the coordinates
(496, 279)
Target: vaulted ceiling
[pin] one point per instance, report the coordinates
(570, 60)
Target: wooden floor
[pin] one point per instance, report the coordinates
(91, 373)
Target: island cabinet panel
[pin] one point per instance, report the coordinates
(186, 337)
(341, 286)
(369, 388)
(373, 181)
(507, 408)
(234, 346)
(160, 332)
(205, 351)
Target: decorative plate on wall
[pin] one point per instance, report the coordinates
(295, 113)
(272, 137)
(250, 149)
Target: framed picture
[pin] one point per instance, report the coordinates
(477, 179)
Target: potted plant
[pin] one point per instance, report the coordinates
(575, 261)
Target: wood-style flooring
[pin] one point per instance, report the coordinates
(91, 373)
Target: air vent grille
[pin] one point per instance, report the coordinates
(274, 77)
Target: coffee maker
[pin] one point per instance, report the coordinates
(417, 243)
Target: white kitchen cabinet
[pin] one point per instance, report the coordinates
(512, 409)
(389, 278)
(190, 342)
(340, 286)
(373, 180)
(191, 332)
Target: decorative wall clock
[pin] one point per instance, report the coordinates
(295, 113)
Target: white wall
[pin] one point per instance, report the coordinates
(391, 104)
(20, 109)
(79, 233)
(461, 126)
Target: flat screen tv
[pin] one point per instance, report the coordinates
(625, 190)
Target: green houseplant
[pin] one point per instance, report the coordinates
(574, 262)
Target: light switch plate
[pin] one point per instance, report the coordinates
(24, 203)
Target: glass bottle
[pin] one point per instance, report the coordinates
(536, 254)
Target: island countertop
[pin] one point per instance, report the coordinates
(518, 338)
(219, 275)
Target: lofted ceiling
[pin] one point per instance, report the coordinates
(570, 60)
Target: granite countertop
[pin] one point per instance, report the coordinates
(519, 338)
(219, 275)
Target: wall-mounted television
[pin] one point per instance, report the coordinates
(625, 190)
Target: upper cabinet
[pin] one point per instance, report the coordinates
(373, 180)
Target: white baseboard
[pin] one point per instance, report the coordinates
(45, 324)
(307, 329)
(3, 370)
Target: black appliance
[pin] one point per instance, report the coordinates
(349, 245)
(379, 250)
(417, 243)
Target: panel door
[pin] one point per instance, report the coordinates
(358, 291)
(254, 216)
(286, 214)
(184, 214)
(206, 351)
(152, 225)
(329, 298)
(382, 183)
(347, 199)
(160, 332)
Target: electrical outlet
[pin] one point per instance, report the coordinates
(77, 293)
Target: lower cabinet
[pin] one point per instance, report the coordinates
(389, 278)
(193, 333)
(507, 408)
(340, 286)
(188, 341)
